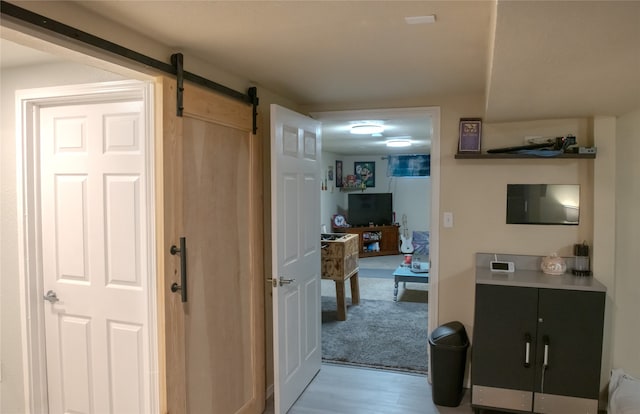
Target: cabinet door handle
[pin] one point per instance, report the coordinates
(527, 350)
(545, 362)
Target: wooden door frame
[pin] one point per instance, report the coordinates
(28, 103)
(433, 113)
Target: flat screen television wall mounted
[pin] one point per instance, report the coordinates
(365, 209)
(543, 204)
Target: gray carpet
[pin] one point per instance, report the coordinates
(377, 333)
(379, 266)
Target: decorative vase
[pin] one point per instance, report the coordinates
(553, 265)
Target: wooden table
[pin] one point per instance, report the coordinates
(340, 263)
(341, 298)
(405, 274)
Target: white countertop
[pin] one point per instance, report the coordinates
(538, 279)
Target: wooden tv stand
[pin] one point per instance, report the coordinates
(386, 236)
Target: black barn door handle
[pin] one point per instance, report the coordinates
(182, 287)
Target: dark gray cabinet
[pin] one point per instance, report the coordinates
(537, 349)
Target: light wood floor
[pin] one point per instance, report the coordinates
(339, 389)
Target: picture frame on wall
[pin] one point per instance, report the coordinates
(330, 173)
(470, 135)
(339, 174)
(365, 172)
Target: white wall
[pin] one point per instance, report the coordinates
(472, 190)
(626, 290)
(333, 201)
(411, 195)
(475, 192)
(11, 387)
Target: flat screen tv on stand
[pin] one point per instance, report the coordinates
(366, 209)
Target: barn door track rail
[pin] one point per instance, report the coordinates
(13, 12)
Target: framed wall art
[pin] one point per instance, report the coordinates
(365, 172)
(470, 135)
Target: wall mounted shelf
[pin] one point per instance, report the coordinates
(350, 188)
(486, 156)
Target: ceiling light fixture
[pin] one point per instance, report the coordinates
(366, 129)
(420, 19)
(398, 143)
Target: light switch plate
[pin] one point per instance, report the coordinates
(447, 219)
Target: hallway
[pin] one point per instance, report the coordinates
(338, 389)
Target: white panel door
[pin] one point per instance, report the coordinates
(94, 257)
(295, 215)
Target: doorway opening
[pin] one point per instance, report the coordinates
(380, 331)
(415, 207)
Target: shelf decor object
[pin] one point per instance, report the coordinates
(470, 135)
(339, 176)
(507, 156)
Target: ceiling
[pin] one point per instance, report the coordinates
(529, 59)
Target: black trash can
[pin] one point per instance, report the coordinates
(448, 344)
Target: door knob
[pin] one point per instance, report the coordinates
(51, 297)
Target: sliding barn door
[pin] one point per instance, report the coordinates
(212, 191)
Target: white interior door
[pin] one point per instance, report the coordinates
(295, 215)
(94, 257)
